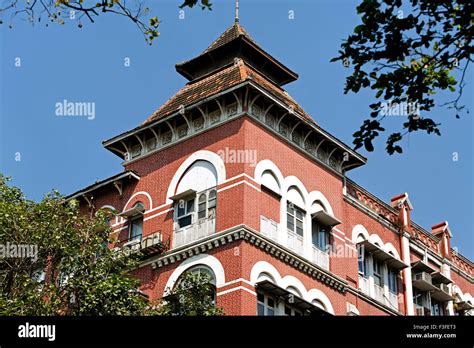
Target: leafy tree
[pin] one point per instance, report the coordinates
(406, 52)
(82, 275)
(61, 11)
(193, 295)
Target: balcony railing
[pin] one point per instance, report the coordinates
(198, 230)
(295, 242)
(320, 258)
(268, 227)
(393, 300)
(364, 284)
(378, 293)
(149, 245)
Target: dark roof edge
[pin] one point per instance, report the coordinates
(104, 182)
(413, 223)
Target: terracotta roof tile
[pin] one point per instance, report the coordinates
(199, 90)
(228, 77)
(230, 34)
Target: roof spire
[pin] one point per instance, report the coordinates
(236, 11)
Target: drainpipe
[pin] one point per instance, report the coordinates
(405, 248)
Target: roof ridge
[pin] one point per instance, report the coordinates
(231, 33)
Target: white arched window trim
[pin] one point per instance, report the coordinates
(203, 155)
(202, 259)
(264, 267)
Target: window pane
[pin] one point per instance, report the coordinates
(299, 214)
(202, 207)
(290, 223)
(287, 310)
(184, 221)
(136, 229)
(299, 224)
(270, 302)
(260, 309)
(260, 297)
(212, 203)
(190, 206)
(270, 312)
(181, 208)
(299, 231)
(360, 262)
(202, 198)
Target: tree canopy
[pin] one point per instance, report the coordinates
(72, 270)
(407, 52)
(61, 11)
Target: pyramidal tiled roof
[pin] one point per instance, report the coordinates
(230, 34)
(217, 82)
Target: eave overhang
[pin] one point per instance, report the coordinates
(242, 48)
(295, 301)
(383, 256)
(127, 175)
(352, 158)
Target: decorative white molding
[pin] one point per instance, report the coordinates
(202, 155)
(289, 281)
(255, 238)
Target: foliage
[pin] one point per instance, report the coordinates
(407, 59)
(193, 295)
(83, 276)
(62, 11)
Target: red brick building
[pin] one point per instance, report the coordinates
(231, 177)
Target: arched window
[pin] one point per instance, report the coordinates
(200, 176)
(196, 195)
(202, 274)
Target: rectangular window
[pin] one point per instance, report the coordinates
(320, 236)
(436, 308)
(362, 260)
(136, 228)
(184, 212)
(392, 281)
(378, 276)
(294, 219)
(265, 305)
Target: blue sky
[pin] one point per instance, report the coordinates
(65, 62)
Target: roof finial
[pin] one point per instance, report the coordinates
(236, 11)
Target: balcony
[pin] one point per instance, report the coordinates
(364, 284)
(150, 245)
(295, 242)
(320, 258)
(268, 228)
(191, 233)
